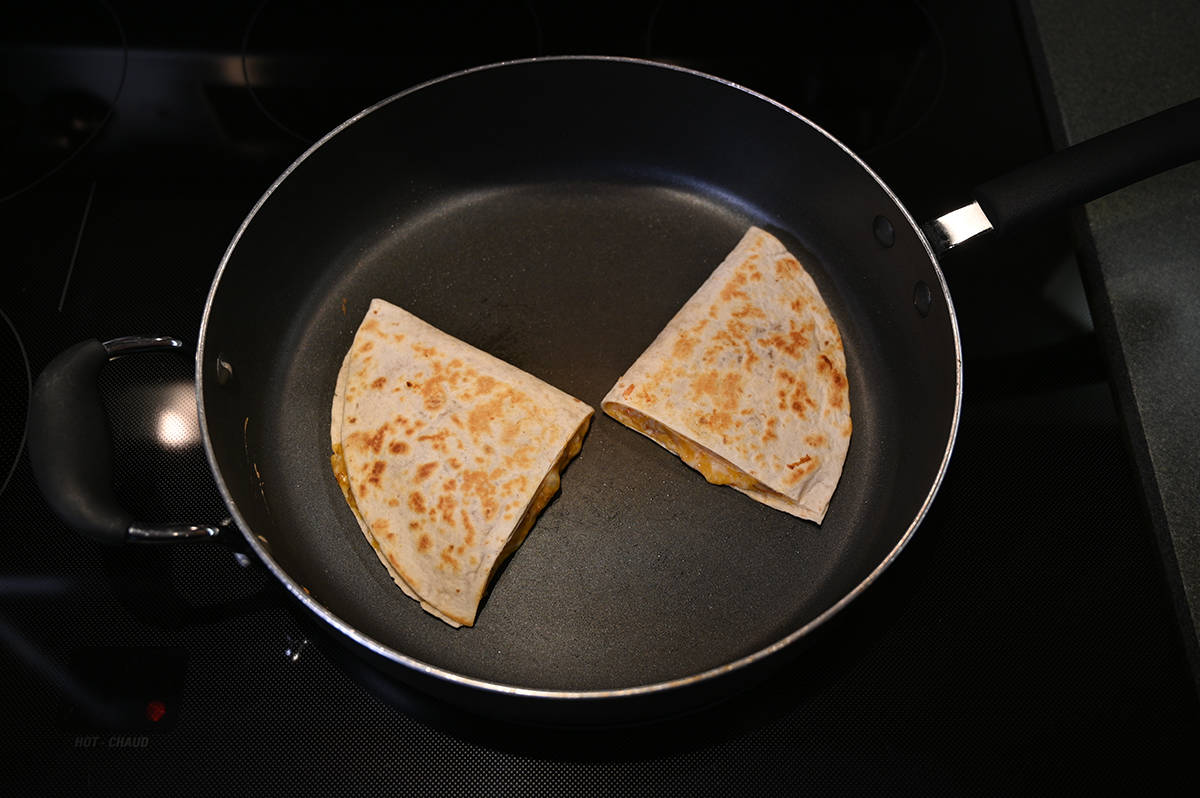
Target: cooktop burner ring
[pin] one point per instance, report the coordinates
(307, 69)
(75, 122)
(20, 448)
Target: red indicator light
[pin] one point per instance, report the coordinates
(155, 710)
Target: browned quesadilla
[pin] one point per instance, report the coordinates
(747, 383)
(445, 454)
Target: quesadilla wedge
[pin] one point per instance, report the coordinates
(445, 454)
(747, 383)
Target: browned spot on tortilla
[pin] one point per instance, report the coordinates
(786, 266)
(737, 332)
(792, 344)
(723, 389)
(437, 439)
(455, 463)
(749, 310)
(447, 505)
(434, 395)
(367, 346)
(379, 525)
(371, 325)
(625, 393)
(815, 440)
(417, 502)
(799, 469)
(424, 470)
(484, 384)
(479, 421)
(707, 384)
(375, 441)
(448, 558)
(379, 382)
(353, 419)
(836, 378)
(770, 433)
(801, 401)
(449, 485)
(684, 345)
(719, 420)
(397, 447)
(483, 487)
(424, 543)
(414, 525)
(733, 288)
(362, 491)
(377, 469)
(466, 519)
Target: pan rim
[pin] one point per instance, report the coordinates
(515, 691)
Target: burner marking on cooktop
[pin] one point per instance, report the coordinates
(100, 126)
(28, 394)
(87, 209)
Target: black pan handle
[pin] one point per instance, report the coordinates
(70, 450)
(1075, 175)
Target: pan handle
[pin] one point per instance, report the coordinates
(1075, 175)
(70, 450)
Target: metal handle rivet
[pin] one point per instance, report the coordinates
(224, 370)
(885, 234)
(922, 298)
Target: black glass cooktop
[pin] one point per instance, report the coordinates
(1024, 642)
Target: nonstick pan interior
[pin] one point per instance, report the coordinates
(556, 214)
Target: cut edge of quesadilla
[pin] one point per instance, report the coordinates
(550, 422)
(747, 382)
(712, 466)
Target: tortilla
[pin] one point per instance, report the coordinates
(747, 383)
(445, 454)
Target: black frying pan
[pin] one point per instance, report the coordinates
(556, 213)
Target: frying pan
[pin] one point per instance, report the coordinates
(556, 213)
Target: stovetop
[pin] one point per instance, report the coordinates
(1025, 641)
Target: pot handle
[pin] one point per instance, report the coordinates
(70, 450)
(1075, 175)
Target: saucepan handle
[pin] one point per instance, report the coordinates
(70, 450)
(1075, 175)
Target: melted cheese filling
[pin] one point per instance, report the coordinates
(716, 469)
(541, 498)
(338, 461)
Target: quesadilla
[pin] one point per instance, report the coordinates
(747, 383)
(445, 454)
